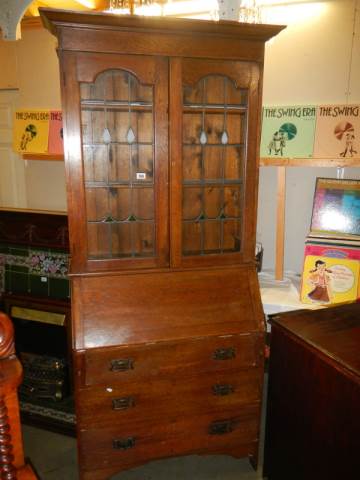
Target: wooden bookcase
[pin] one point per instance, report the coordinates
(161, 131)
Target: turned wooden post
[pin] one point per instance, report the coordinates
(12, 464)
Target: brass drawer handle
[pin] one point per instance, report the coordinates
(123, 403)
(121, 364)
(224, 353)
(123, 443)
(221, 428)
(222, 389)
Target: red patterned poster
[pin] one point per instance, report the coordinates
(56, 145)
(337, 133)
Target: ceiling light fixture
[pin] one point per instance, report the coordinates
(130, 5)
(249, 11)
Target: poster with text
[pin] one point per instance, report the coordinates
(56, 144)
(31, 131)
(337, 131)
(288, 131)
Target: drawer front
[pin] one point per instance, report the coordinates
(124, 445)
(168, 397)
(172, 359)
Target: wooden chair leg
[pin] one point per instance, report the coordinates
(12, 464)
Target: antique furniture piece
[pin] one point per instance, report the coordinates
(161, 129)
(313, 422)
(12, 462)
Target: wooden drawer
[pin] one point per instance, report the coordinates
(122, 446)
(173, 359)
(168, 397)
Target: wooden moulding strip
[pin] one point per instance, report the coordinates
(43, 156)
(280, 223)
(309, 162)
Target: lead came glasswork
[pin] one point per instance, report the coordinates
(117, 137)
(203, 138)
(106, 136)
(130, 137)
(224, 138)
(213, 162)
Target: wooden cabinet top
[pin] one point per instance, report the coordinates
(169, 36)
(55, 18)
(335, 331)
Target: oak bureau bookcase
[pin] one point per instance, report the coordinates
(161, 133)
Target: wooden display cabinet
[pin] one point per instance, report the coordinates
(161, 130)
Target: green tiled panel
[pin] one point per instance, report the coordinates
(4, 248)
(21, 252)
(16, 282)
(59, 288)
(19, 269)
(23, 275)
(7, 281)
(37, 286)
(56, 252)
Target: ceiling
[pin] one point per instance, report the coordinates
(184, 8)
(87, 5)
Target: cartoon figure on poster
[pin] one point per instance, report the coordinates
(286, 132)
(320, 279)
(344, 131)
(28, 135)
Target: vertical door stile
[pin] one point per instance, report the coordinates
(73, 161)
(251, 164)
(175, 133)
(162, 161)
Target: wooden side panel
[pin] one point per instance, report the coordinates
(312, 426)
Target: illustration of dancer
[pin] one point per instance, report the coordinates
(282, 142)
(320, 279)
(349, 145)
(275, 143)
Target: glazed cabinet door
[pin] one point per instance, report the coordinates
(116, 160)
(214, 130)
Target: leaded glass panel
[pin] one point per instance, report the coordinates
(214, 148)
(118, 157)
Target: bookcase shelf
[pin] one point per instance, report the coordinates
(309, 162)
(43, 156)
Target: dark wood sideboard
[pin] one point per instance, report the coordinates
(313, 413)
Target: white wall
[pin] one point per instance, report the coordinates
(39, 87)
(34, 60)
(310, 62)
